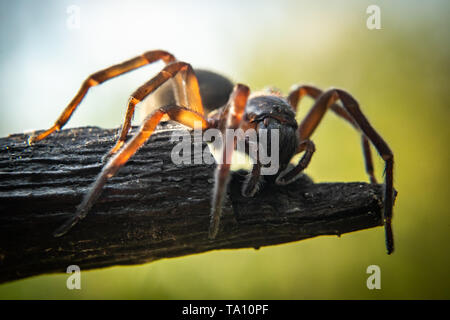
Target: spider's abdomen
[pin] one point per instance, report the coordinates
(215, 91)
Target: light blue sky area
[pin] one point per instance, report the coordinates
(43, 61)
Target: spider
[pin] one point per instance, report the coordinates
(268, 110)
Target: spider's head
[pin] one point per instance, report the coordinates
(272, 112)
(287, 140)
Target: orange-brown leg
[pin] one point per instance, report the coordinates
(99, 77)
(312, 120)
(171, 71)
(300, 91)
(180, 114)
(233, 113)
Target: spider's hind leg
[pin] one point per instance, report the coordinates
(96, 79)
(190, 95)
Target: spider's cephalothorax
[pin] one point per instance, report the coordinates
(228, 107)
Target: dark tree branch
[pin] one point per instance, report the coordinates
(152, 209)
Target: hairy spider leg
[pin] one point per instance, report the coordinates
(233, 113)
(300, 91)
(182, 115)
(312, 120)
(193, 99)
(99, 77)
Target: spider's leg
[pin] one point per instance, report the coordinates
(180, 114)
(368, 158)
(312, 120)
(170, 71)
(99, 77)
(292, 175)
(300, 91)
(233, 113)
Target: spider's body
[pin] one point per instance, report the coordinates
(208, 99)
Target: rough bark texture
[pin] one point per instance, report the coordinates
(152, 208)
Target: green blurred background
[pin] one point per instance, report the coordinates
(400, 75)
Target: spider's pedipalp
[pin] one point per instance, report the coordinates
(287, 177)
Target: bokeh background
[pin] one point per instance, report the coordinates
(400, 75)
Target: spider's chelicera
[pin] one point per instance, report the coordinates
(229, 108)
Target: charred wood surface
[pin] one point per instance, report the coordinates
(153, 208)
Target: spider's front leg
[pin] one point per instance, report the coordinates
(230, 118)
(300, 91)
(182, 115)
